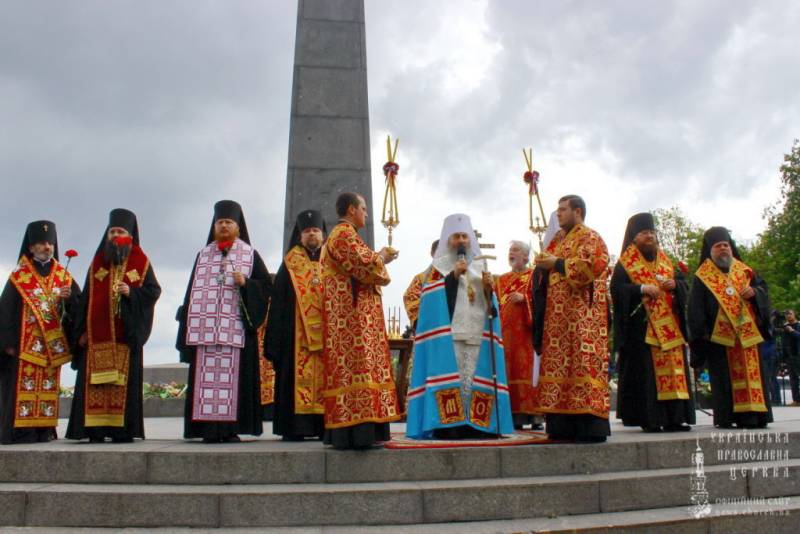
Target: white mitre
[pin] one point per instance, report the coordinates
(552, 229)
(444, 259)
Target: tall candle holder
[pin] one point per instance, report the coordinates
(390, 216)
(536, 224)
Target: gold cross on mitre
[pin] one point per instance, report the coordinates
(45, 227)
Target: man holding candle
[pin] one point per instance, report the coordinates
(359, 392)
(113, 322)
(225, 304)
(572, 332)
(35, 334)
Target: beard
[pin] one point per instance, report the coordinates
(115, 255)
(648, 251)
(517, 264)
(42, 257)
(312, 245)
(233, 235)
(723, 262)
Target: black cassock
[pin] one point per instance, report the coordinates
(136, 312)
(637, 401)
(703, 308)
(279, 349)
(10, 320)
(255, 297)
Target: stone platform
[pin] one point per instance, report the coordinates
(635, 482)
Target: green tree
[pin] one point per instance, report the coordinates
(776, 253)
(679, 237)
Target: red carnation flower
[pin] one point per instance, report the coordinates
(224, 246)
(391, 167)
(71, 253)
(123, 240)
(532, 179)
(683, 267)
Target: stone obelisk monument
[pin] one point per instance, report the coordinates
(329, 128)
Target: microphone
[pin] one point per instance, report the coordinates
(461, 253)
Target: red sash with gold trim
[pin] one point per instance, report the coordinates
(309, 367)
(516, 321)
(108, 355)
(43, 347)
(735, 328)
(265, 370)
(663, 330)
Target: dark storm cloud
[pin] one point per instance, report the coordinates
(163, 107)
(669, 92)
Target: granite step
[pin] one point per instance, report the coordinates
(724, 519)
(273, 462)
(390, 503)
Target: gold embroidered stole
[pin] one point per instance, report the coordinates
(43, 347)
(265, 370)
(663, 330)
(513, 282)
(108, 354)
(576, 273)
(306, 278)
(735, 328)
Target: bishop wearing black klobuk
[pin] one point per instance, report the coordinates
(35, 336)
(654, 387)
(729, 313)
(112, 323)
(293, 342)
(226, 302)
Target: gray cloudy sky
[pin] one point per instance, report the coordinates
(166, 107)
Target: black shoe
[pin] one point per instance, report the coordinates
(122, 440)
(231, 439)
(651, 429)
(211, 440)
(97, 440)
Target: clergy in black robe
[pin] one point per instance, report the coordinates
(35, 307)
(113, 322)
(225, 304)
(649, 297)
(729, 314)
(293, 342)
